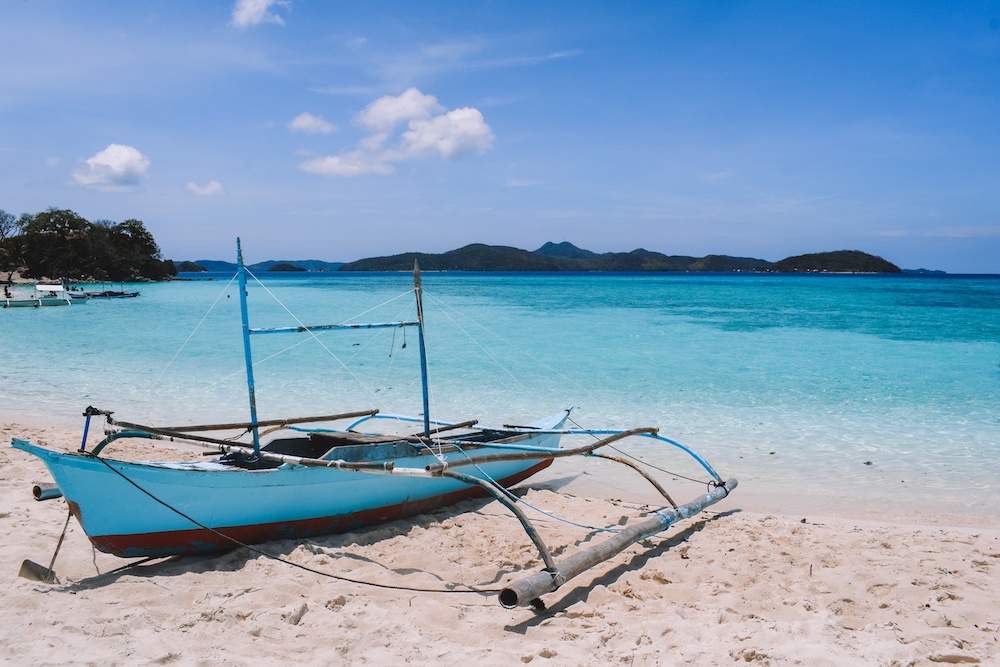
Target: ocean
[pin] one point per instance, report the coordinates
(870, 395)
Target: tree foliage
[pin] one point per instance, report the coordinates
(59, 243)
(8, 228)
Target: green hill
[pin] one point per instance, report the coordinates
(474, 257)
(218, 266)
(553, 257)
(566, 250)
(567, 257)
(840, 261)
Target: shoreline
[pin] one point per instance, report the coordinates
(729, 585)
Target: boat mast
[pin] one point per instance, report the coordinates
(418, 291)
(242, 273)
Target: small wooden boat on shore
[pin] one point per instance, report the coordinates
(309, 476)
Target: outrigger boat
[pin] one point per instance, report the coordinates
(339, 477)
(41, 295)
(112, 294)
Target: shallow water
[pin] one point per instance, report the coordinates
(862, 391)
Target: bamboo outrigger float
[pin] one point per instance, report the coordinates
(332, 478)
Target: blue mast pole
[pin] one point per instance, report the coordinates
(418, 291)
(242, 273)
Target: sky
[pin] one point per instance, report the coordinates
(332, 130)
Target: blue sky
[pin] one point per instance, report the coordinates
(334, 130)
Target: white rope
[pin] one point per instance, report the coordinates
(550, 515)
(441, 305)
(313, 336)
(477, 343)
(405, 310)
(195, 330)
(159, 377)
(384, 303)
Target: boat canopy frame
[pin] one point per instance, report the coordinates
(242, 273)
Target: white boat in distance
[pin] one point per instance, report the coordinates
(41, 295)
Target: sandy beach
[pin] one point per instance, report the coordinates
(732, 586)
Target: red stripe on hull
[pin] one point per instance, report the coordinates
(201, 540)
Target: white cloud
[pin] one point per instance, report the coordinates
(310, 124)
(970, 232)
(458, 131)
(247, 13)
(353, 163)
(210, 189)
(409, 126)
(117, 167)
(387, 112)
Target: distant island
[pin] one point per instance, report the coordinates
(59, 244)
(204, 265)
(285, 266)
(567, 257)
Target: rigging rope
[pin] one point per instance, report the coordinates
(507, 492)
(477, 343)
(313, 336)
(441, 305)
(186, 341)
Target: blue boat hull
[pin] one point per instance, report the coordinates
(34, 303)
(134, 509)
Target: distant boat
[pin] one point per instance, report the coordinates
(41, 295)
(112, 294)
(335, 478)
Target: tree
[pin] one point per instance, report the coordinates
(9, 247)
(58, 243)
(136, 251)
(8, 225)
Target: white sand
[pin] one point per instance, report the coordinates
(729, 587)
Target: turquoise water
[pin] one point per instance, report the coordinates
(857, 391)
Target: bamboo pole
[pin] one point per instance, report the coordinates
(245, 425)
(530, 454)
(526, 591)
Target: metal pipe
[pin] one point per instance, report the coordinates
(86, 430)
(525, 591)
(46, 491)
